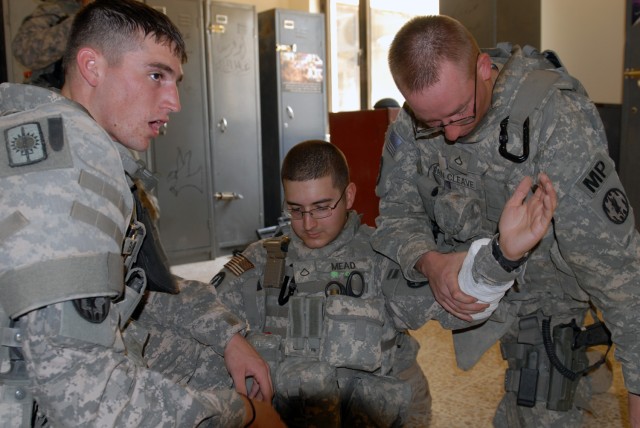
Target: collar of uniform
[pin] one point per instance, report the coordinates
(512, 73)
(136, 169)
(301, 252)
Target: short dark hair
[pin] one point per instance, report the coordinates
(313, 159)
(422, 44)
(117, 26)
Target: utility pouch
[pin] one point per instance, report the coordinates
(306, 393)
(375, 401)
(305, 326)
(352, 332)
(269, 348)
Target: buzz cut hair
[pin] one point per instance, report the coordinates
(314, 159)
(421, 46)
(114, 27)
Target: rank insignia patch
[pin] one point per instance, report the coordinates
(615, 205)
(25, 144)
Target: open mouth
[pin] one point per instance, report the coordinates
(158, 126)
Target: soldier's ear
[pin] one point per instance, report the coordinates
(350, 195)
(88, 63)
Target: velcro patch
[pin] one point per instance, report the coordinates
(592, 181)
(239, 264)
(33, 145)
(615, 205)
(25, 144)
(393, 142)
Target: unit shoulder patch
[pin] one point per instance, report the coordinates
(25, 144)
(615, 205)
(33, 145)
(239, 264)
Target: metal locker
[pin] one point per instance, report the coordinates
(292, 92)
(208, 161)
(232, 63)
(180, 157)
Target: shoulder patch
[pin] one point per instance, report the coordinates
(33, 145)
(25, 144)
(591, 182)
(393, 142)
(615, 205)
(239, 264)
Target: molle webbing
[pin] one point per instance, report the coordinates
(12, 224)
(305, 326)
(52, 281)
(273, 311)
(531, 93)
(104, 189)
(273, 281)
(96, 219)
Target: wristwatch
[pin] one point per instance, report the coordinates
(506, 264)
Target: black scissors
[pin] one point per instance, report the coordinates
(354, 287)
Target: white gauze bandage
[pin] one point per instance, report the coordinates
(485, 293)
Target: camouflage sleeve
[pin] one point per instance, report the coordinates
(594, 226)
(411, 304)
(84, 377)
(42, 37)
(195, 312)
(233, 281)
(403, 230)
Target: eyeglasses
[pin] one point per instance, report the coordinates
(422, 131)
(316, 213)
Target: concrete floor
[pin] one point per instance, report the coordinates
(466, 399)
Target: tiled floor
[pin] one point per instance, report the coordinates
(466, 399)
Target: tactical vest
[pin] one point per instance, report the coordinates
(464, 193)
(55, 158)
(62, 222)
(326, 335)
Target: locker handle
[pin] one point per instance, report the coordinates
(228, 196)
(632, 73)
(222, 125)
(289, 112)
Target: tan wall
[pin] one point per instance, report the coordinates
(588, 35)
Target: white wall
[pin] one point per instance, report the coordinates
(588, 36)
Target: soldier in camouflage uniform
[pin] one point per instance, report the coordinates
(458, 148)
(42, 38)
(72, 233)
(315, 301)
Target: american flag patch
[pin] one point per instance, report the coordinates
(239, 264)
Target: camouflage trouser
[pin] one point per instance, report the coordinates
(510, 415)
(183, 360)
(419, 413)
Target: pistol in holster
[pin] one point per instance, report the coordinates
(549, 366)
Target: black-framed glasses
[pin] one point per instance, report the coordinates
(316, 213)
(422, 131)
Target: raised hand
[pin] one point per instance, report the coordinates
(525, 220)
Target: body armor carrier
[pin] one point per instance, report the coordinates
(323, 340)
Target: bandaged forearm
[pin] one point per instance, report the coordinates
(483, 291)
